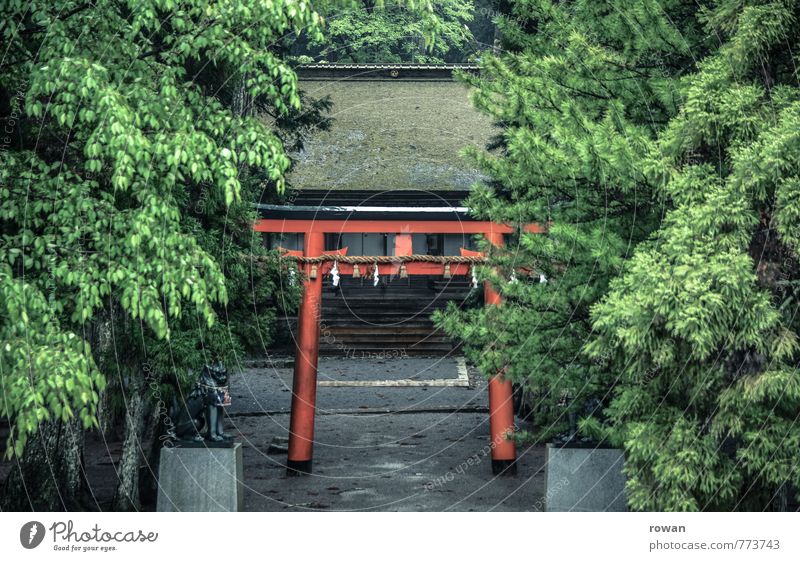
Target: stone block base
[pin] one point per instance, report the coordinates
(200, 479)
(583, 478)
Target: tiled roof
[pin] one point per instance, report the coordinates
(403, 133)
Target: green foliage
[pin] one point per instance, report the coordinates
(580, 102)
(369, 31)
(115, 136)
(665, 164)
(708, 306)
(45, 373)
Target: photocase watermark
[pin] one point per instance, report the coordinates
(472, 461)
(379, 355)
(31, 534)
(202, 202)
(65, 537)
(161, 408)
(11, 120)
(492, 13)
(650, 375)
(551, 492)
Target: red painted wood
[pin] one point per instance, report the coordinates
(301, 438)
(469, 253)
(304, 386)
(292, 252)
(501, 398)
(403, 244)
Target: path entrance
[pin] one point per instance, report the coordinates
(392, 434)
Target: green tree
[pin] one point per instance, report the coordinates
(260, 296)
(615, 113)
(702, 326)
(379, 32)
(580, 91)
(111, 134)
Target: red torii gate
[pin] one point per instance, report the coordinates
(304, 386)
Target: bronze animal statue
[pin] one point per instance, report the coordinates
(203, 407)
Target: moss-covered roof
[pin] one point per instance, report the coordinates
(391, 130)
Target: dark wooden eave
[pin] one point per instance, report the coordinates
(383, 72)
(370, 205)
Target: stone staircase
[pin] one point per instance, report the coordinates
(391, 319)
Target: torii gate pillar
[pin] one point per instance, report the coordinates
(304, 385)
(501, 398)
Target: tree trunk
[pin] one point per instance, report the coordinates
(780, 501)
(148, 483)
(102, 342)
(242, 101)
(126, 496)
(108, 418)
(49, 475)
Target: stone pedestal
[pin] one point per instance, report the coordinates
(584, 478)
(201, 479)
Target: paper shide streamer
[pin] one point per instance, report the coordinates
(335, 273)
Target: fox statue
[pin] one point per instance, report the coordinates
(203, 408)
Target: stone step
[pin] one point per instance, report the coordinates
(381, 303)
(372, 331)
(357, 314)
(367, 320)
(359, 318)
(387, 340)
(385, 352)
(350, 323)
(389, 295)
